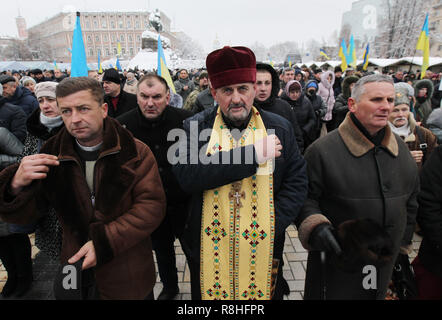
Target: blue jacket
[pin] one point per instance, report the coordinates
(25, 99)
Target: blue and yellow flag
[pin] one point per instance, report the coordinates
(55, 65)
(118, 65)
(324, 54)
(343, 55)
(119, 49)
(78, 63)
(100, 67)
(162, 66)
(423, 44)
(366, 57)
(351, 54)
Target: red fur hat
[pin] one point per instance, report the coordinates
(231, 65)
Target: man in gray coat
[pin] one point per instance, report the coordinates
(362, 205)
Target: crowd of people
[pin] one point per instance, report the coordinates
(351, 158)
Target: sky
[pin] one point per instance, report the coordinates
(234, 22)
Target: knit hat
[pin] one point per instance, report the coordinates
(401, 97)
(111, 75)
(45, 89)
(312, 84)
(6, 79)
(231, 65)
(338, 69)
(291, 84)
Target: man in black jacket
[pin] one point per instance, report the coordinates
(240, 209)
(118, 101)
(151, 123)
(267, 82)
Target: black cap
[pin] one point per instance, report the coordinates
(5, 79)
(112, 75)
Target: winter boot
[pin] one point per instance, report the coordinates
(23, 260)
(7, 258)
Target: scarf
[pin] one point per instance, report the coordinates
(403, 131)
(50, 123)
(238, 225)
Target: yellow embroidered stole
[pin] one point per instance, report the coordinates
(238, 222)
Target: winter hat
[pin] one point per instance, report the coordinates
(292, 83)
(231, 65)
(45, 89)
(405, 86)
(111, 75)
(312, 84)
(338, 69)
(37, 71)
(401, 97)
(6, 79)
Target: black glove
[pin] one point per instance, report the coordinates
(323, 239)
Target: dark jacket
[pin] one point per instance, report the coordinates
(13, 118)
(319, 108)
(437, 96)
(24, 98)
(350, 178)
(126, 102)
(430, 214)
(129, 206)
(278, 106)
(203, 101)
(305, 115)
(179, 87)
(423, 105)
(155, 135)
(340, 108)
(290, 184)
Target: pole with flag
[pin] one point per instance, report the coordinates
(100, 67)
(343, 55)
(162, 66)
(324, 54)
(366, 57)
(351, 54)
(423, 45)
(78, 62)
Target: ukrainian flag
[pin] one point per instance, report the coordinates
(118, 65)
(324, 54)
(78, 63)
(343, 55)
(55, 65)
(100, 67)
(423, 44)
(162, 66)
(351, 54)
(366, 57)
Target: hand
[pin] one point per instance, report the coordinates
(268, 148)
(185, 88)
(87, 251)
(32, 168)
(323, 239)
(418, 156)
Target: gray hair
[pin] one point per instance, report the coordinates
(25, 80)
(359, 88)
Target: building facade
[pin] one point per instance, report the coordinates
(102, 31)
(435, 22)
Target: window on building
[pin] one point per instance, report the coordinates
(123, 50)
(131, 51)
(113, 24)
(137, 24)
(89, 39)
(107, 52)
(114, 38)
(440, 48)
(130, 38)
(115, 51)
(88, 24)
(120, 24)
(97, 38)
(91, 52)
(129, 24)
(103, 22)
(95, 24)
(122, 37)
(138, 38)
(99, 52)
(105, 38)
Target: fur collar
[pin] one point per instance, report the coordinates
(359, 145)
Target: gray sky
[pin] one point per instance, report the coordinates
(235, 22)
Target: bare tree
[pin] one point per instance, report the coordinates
(17, 50)
(400, 27)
